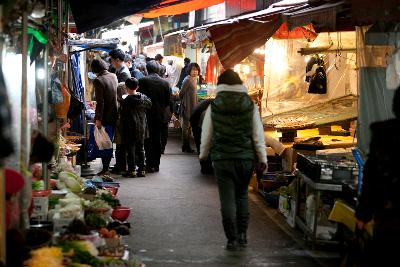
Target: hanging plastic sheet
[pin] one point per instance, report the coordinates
(5, 121)
(77, 94)
(286, 88)
(375, 102)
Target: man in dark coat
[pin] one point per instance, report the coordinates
(105, 87)
(380, 196)
(184, 72)
(117, 57)
(157, 89)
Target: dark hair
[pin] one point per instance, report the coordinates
(193, 65)
(128, 58)
(158, 57)
(396, 103)
(117, 54)
(229, 77)
(152, 67)
(186, 60)
(98, 65)
(42, 148)
(132, 83)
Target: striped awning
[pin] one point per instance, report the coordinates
(237, 38)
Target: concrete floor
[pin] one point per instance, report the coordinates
(176, 222)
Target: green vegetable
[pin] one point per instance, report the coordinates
(38, 185)
(95, 221)
(107, 197)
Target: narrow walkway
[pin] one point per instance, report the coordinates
(176, 221)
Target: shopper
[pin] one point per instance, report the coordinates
(135, 73)
(380, 195)
(134, 127)
(161, 68)
(117, 57)
(184, 72)
(232, 132)
(105, 87)
(188, 96)
(157, 89)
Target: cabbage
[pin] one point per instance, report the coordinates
(61, 185)
(73, 185)
(65, 174)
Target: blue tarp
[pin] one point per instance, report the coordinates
(77, 90)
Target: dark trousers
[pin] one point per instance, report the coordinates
(106, 162)
(135, 156)
(164, 135)
(233, 177)
(197, 137)
(120, 157)
(152, 146)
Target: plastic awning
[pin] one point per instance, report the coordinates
(92, 14)
(237, 38)
(180, 8)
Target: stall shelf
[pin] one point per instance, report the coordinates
(318, 188)
(326, 113)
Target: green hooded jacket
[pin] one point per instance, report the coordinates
(232, 119)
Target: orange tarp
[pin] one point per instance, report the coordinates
(180, 8)
(307, 32)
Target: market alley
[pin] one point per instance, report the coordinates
(176, 222)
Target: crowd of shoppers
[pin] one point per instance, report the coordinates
(134, 98)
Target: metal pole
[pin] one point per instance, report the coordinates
(45, 103)
(25, 143)
(2, 186)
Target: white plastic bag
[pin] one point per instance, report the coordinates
(102, 139)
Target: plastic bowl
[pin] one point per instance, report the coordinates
(121, 213)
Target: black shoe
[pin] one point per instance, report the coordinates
(187, 149)
(156, 169)
(141, 174)
(129, 174)
(149, 169)
(231, 245)
(242, 240)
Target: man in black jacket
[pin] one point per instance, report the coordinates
(117, 57)
(184, 72)
(105, 87)
(157, 89)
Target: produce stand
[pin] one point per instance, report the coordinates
(83, 217)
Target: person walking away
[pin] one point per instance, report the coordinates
(157, 89)
(188, 96)
(117, 57)
(161, 68)
(196, 121)
(380, 193)
(184, 72)
(105, 87)
(232, 132)
(134, 127)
